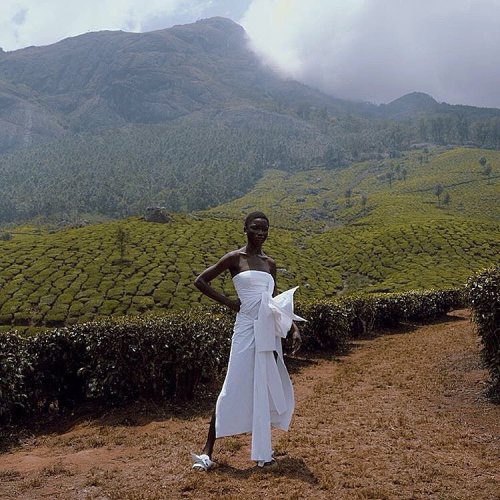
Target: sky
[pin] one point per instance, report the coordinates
(368, 50)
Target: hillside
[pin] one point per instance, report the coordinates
(403, 238)
(109, 123)
(324, 198)
(108, 79)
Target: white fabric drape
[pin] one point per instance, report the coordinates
(257, 392)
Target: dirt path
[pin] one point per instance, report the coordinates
(403, 416)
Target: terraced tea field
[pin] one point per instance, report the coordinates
(324, 241)
(317, 199)
(395, 257)
(75, 275)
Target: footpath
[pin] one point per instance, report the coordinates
(403, 416)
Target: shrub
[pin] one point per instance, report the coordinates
(484, 297)
(362, 314)
(416, 306)
(155, 355)
(165, 356)
(114, 360)
(327, 327)
(14, 367)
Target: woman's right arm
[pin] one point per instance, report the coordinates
(202, 282)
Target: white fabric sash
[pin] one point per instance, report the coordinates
(273, 323)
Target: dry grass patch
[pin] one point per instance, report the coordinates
(403, 416)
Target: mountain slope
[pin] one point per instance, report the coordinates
(109, 123)
(402, 239)
(107, 79)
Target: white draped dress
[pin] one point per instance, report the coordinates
(257, 391)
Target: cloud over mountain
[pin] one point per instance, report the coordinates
(380, 50)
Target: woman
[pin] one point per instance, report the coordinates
(257, 392)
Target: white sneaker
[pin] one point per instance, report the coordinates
(272, 464)
(201, 462)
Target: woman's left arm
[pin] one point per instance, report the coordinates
(296, 339)
(272, 269)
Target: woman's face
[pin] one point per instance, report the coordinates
(257, 231)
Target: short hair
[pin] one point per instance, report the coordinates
(255, 215)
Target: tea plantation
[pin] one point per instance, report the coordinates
(374, 226)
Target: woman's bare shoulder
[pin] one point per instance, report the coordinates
(231, 259)
(234, 254)
(272, 264)
(270, 260)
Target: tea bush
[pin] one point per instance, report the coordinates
(15, 367)
(402, 240)
(327, 327)
(116, 359)
(484, 297)
(165, 356)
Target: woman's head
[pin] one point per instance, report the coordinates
(255, 215)
(256, 228)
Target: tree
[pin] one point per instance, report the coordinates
(423, 130)
(121, 238)
(390, 177)
(333, 157)
(304, 110)
(438, 129)
(438, 191)
(462, 128)
(364, 201)
(174, 201)
(348, 194)
(487, 171)
(447, 199)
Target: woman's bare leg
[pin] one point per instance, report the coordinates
(209, 446)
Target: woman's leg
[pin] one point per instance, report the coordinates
(209, 446)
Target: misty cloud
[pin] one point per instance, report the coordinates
(33, 22)
(380, 50)
(52, 20)
(370, 50)
(19, 17)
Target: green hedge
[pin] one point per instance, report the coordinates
(327, 327)
(484, 298)
(15, 367)
(332, 323)
(114, 360)
(119, 359)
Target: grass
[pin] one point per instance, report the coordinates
(402, 238)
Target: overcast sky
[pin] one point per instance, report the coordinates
(371, 50)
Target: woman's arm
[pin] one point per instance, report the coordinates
(272, 269)
(202, 282)
(296, 338)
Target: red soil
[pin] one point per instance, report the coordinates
(403, 416)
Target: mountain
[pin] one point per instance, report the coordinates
(409, 105)
(109, 79)
(420, 104)
(186, 117)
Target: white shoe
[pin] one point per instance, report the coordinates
(201, 462)
(272, 464)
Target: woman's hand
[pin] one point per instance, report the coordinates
(296, 339)
(234, 305)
